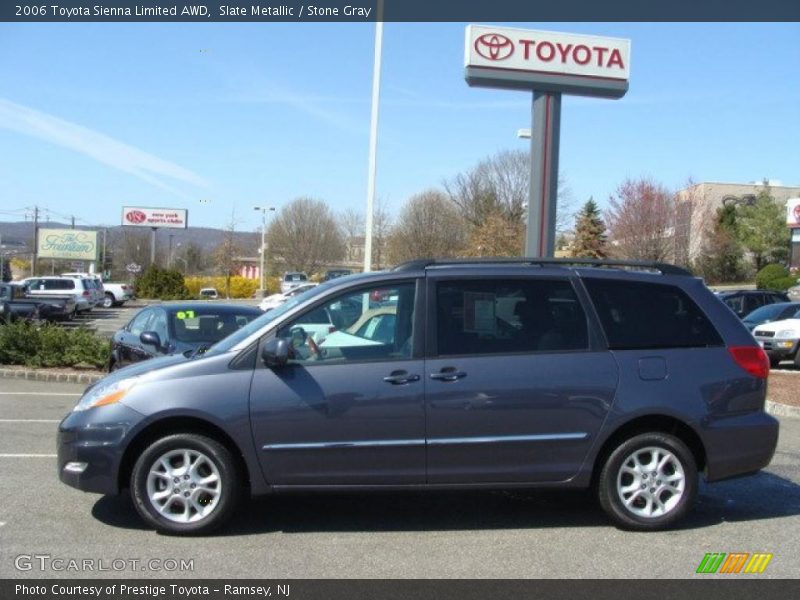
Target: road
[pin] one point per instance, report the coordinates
(483, 535)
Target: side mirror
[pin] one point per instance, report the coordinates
(275, 352)
(151, 338)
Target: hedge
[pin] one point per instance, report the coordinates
(240, 286)
(51, 345)
(775, 277)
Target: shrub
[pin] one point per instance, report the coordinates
(165, 284)
(783, 283)
(50, 345)
(241, 287)
(767, 276)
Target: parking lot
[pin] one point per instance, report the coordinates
(475, 534)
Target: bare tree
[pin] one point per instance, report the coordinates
(306, 235)
(381, 226)
(226, 254)
(428, 226)
(497, 187)
(642, 218)
(351, 222)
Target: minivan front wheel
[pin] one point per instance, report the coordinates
(648, 482)
(185, 484)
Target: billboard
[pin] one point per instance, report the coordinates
(171, 218)
(546, 61)
(793, 213)
(70, 244)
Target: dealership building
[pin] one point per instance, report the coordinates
(704, 199)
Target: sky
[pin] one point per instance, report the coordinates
(94, 117)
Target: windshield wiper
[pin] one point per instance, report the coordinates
(199, 351)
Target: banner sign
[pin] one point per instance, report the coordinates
(170, 218)
(793, 213)
(71, 244)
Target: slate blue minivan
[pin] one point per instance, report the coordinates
(629, 378)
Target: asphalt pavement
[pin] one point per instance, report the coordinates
(517, 534)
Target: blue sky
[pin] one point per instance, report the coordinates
(96, 116)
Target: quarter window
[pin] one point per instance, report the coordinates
(649, 315)
(508, 316)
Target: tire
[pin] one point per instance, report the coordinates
(625, 468)
(108, 301)
(172, 513)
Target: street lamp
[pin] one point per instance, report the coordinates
(264, 210)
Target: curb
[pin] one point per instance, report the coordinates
(783, 410)
(38, 375)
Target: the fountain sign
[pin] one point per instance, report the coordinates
(69, 244)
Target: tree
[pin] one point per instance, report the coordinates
(352, 224)
(428, 226)
(306, 236)
(226, 254)
(381, 227)
(721, 257)
(761, 228)
(6, 274)
(641, 221)
(497, 236)
(498, 187)
(590, 232)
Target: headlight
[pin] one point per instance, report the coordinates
(787, 333)
(101, 395)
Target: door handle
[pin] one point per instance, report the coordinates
(401, 377)
(448, 374)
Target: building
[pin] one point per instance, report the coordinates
(704, 199)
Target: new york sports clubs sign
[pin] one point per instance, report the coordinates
(172, 218)
(546, 61)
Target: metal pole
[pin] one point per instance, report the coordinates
(153, 246)
(169, 256)
(543, 190)
(264, 252)
(373, 137)
(35, 254)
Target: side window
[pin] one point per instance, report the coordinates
(736, 304)
(504, 316)
(140, 322)
(158, 324)
(367, 324)
(638, 315)
(754, 301)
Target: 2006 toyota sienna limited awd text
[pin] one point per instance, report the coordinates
(631, 379)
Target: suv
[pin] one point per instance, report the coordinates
(629, 378)
(291, 280)
(743, 302)
(82, 289)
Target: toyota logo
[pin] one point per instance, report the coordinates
(135, 216)
(494, 46)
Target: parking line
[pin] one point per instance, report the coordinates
(28, 455)
(29, 421)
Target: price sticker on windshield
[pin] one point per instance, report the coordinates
(184, 314)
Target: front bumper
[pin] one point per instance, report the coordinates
(739, 445)
(778, 348)
(96, 438)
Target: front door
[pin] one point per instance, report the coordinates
(517, 386)
(348, 408)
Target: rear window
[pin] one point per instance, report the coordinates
(294, 277)
(57, 284)
(649, 315)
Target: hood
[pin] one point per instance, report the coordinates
(776, 326)
(140, 368)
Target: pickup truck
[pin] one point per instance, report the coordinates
(16, 303)
(117, 294)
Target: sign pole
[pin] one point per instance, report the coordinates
(543, 189)
(153, 245)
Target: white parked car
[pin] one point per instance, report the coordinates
(209, 294)
(275, 300)
(794, 292)
(83, 290)
(780, 340)
(110, 294)
(292, 279)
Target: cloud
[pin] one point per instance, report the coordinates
(96, 145)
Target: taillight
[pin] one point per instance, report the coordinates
(752, 359)
(86, 293)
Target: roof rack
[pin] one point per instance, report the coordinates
(663, 268)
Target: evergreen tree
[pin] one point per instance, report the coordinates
(590, 232)
(721, 258)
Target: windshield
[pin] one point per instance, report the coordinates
(208, 325)
(765, 313)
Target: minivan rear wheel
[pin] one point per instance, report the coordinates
(648, 482)
(185, 484)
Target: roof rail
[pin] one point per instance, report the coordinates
(663, 268)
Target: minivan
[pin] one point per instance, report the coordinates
(631, 379)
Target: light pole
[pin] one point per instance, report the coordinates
(264, 210)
